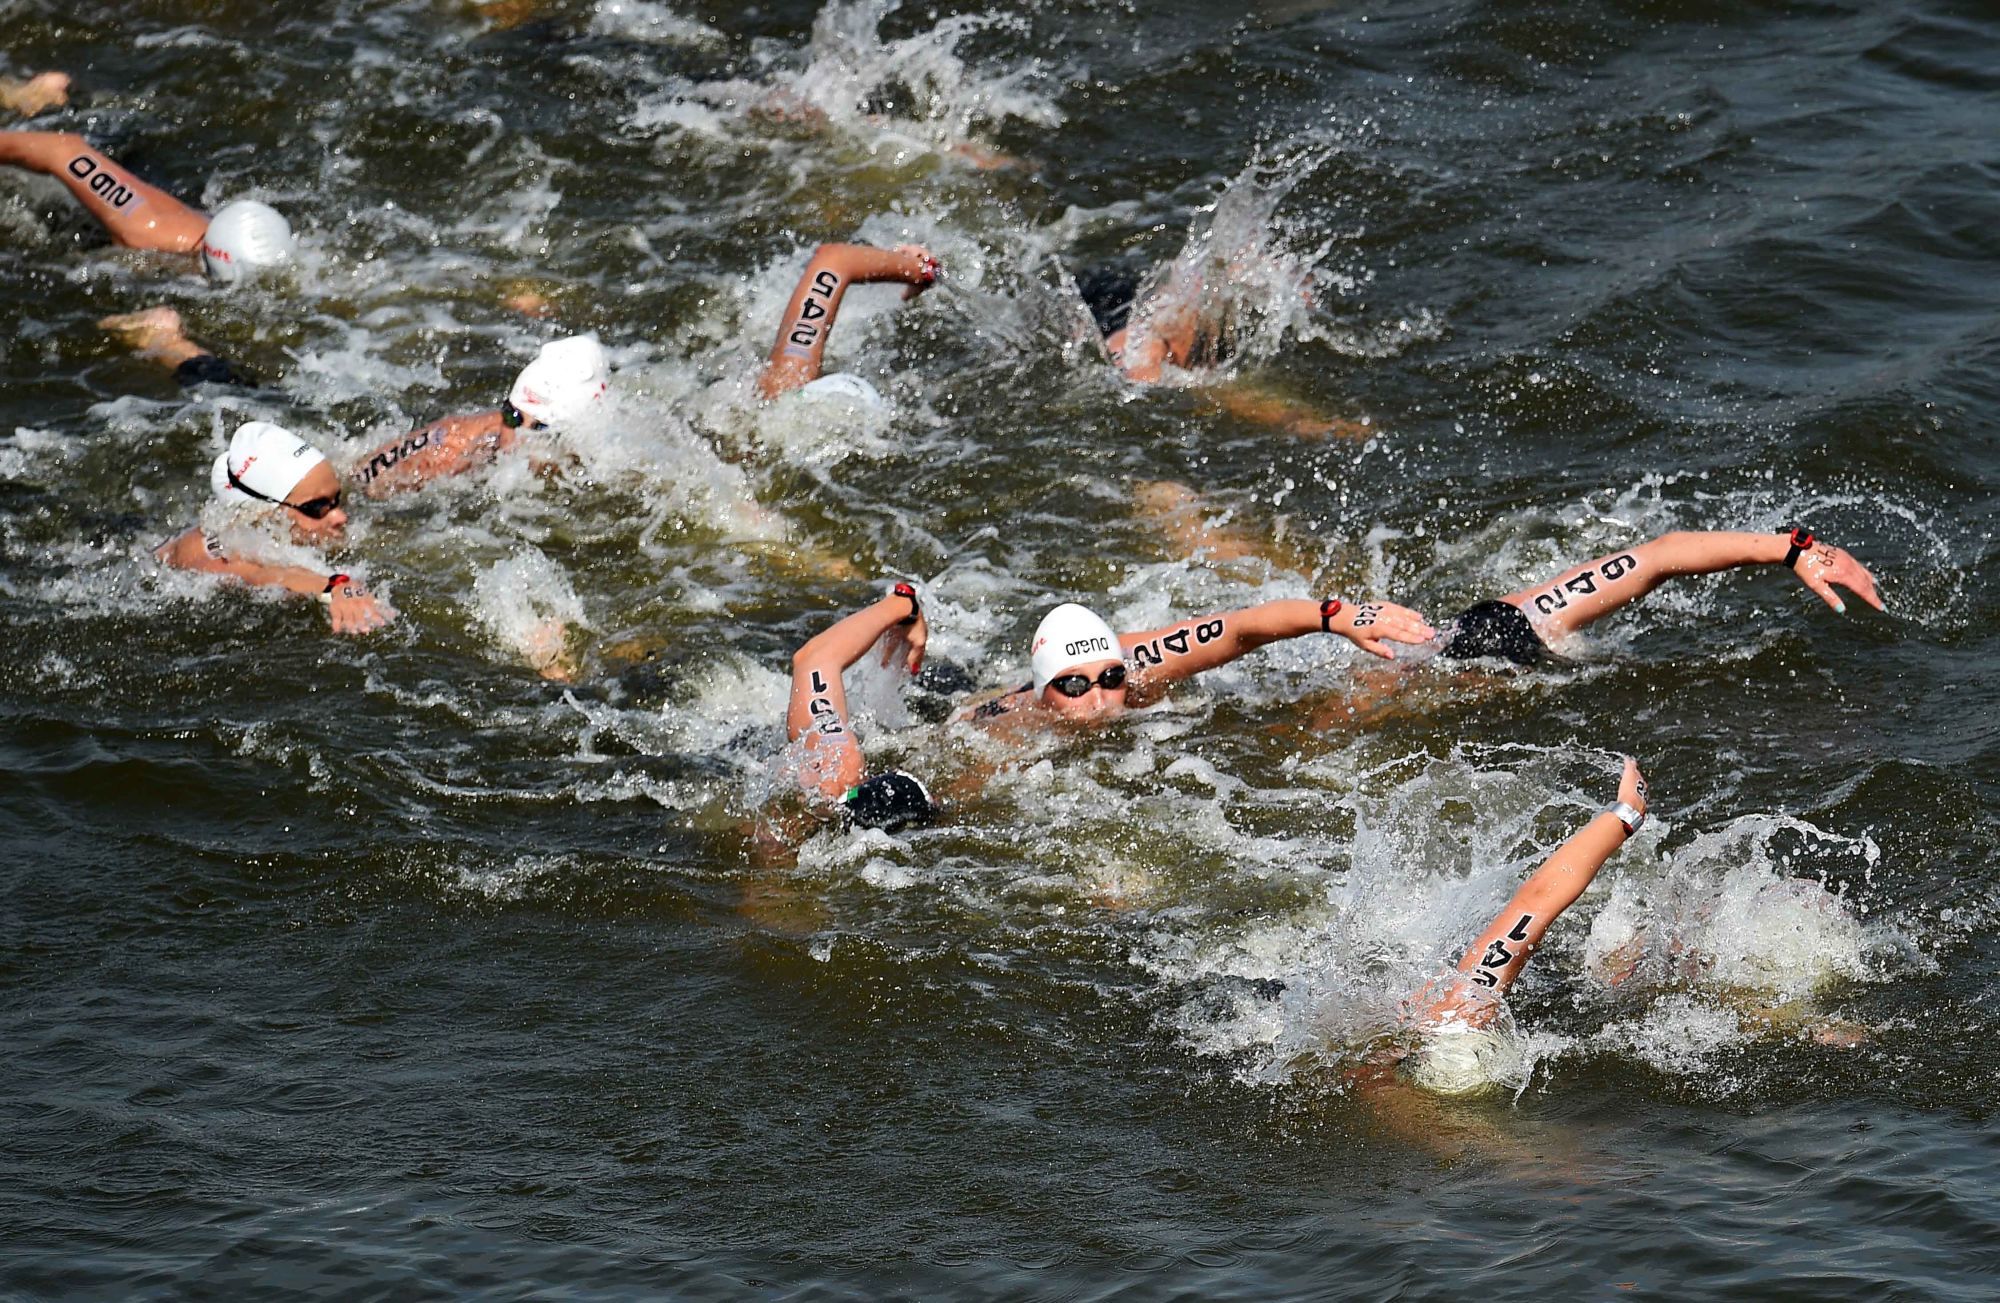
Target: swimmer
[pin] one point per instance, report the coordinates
(242, 238)
(800, 350)
(1451, 1013)
(267, 472)
(1521, 626)
(830, 766)
(1083, 672)
(565, 381)
(1177, 326)
(28, 96)
(158, 334)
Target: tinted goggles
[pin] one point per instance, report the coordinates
(1110, 678)
(311, 508)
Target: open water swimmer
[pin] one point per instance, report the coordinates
(798, 356)
(1521, 626)
(1083, 672)
(274, 486)
(824, 755)
(242, 238)
(1453, 1015)
(566, 380)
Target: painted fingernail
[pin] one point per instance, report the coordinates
(1839, 607)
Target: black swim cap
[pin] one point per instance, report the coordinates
(1494, 629)
(1109, 292)
(889, 801)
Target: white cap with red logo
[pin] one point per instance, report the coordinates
(243, 238)
(1071, 635)
(565, 378)
(265, 462)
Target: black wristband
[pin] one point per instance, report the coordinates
(1327, 610)
(332, 582)
(907, 590)
(1800, 541)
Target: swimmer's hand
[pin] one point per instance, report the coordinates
(1823, 565)
(353, 609)
(910, 639)
(922, 270)
(1632, 787)
(1371, 626)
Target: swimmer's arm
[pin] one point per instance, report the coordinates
(1596, 588)
(452, 446)
(1499, 953)
(817, 710)
(800, 350)
(137, 215)
(350, 607)
(1188, 648)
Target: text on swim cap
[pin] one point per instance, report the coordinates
(1084, 646)
(803, 335)
(102, 183)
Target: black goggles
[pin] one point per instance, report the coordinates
(1110, 678)
(311, 508)
(514, 418)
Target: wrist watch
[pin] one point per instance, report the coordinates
(1631, 818)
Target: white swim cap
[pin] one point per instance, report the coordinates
(843, 385)
(565, 378)
(265, 461)
(243, 238)
(1071, 635)
(1456, 1059)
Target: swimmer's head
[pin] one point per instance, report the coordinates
(560, 385)
(890, 801)
(267, 463)
(1459, 1060)
(1079, 667)
(842, 386)
(244, 238)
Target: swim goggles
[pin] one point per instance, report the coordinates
(311, 508)
(1110, 678)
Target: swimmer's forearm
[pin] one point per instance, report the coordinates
(1689, 552)
(870, 266)
(848, 639)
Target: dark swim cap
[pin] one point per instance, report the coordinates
(1109, 292)
(1494, 629)
(889, 801)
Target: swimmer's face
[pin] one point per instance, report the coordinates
(318, 492)
(1100, 687)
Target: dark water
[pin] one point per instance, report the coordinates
(358, 968)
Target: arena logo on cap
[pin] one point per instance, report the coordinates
(1083, 646)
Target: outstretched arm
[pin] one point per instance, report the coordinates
(1596, 588)
(1160, 656)
(818, 707)
(449, 447)
(1499, 953)
(138, 215)
(350, 607)
(808, 322)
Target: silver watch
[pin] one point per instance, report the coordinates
(1631, 818)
